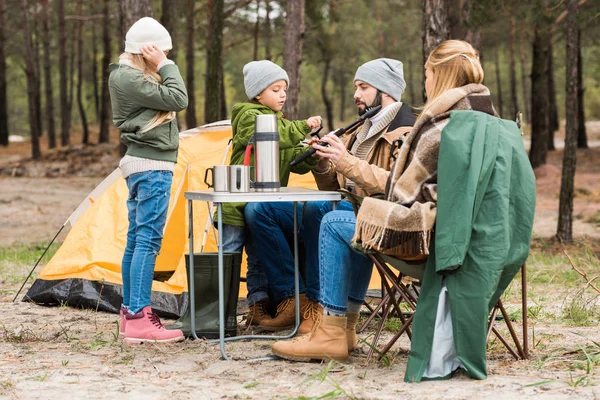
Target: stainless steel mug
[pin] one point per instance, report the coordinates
(266, 156)
(239, 178)
(220, 178)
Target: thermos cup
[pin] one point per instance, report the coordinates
(220, 178)
(239, 178)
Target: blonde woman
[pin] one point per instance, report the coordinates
(146, 90)
(483, 225)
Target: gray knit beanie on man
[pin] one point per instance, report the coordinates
(384, 74)
(259, 75)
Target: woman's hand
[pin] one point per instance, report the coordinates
(334, 152)
(153, 55)
(314, 122)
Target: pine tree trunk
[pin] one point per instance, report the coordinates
(325, 97)
(411, 82)
(168, 19)
(48, 76)
(268, 54)
(95, 69)
(436, 29)
(3, 98)
(256, 31)
(342, 85)
(553, 122)
(499, 83)
(514, 100)
(540, 102)
(190, 113)
(84, 124)
(292, 55)
(30, 73)
(525, 86)
(214, 52)
(222, 98)
(104, 136)
(65, 122)
(131, 11)
(38, 71)
(567, 185)
(582, 142)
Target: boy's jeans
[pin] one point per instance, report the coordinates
(272, 229)
(345, 273)
(147, 206)
(235, 238)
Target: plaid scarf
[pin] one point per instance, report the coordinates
(402, 224)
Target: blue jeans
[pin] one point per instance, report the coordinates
(312, 214)
(235, 238)
(147, 206)
(345, 273)
(272, 229)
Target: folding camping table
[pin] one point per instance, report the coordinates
(287, 194)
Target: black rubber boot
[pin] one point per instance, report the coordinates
(206, 285)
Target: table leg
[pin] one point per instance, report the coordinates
(191, 292)
(221, 284)
(296, 270)
(334, 205)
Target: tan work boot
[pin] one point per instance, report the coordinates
(352, 321)
(327, 341)
(257, 313)
(286, 314)
(309, 313)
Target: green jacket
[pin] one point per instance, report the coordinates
(136, 101)
(290, 135)
(485, 209)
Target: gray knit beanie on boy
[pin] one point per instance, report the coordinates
(259, 75)
(384, 74)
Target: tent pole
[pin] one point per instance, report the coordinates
(39, 259)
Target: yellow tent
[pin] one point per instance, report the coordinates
(86, 269)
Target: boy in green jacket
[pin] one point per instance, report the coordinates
(266, 86)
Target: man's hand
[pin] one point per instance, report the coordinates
(153, 56)
(314, 122)
(333, 152)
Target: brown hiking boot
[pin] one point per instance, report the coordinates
(286, 314)
(309, 314)
(351, 322)
(327, 341)
(257, 313)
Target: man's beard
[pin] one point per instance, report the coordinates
(376, 102)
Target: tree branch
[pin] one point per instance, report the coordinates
(233, 8)
(584, 274)
(563, 15)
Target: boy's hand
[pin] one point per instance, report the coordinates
(153, 55)
(314, 122)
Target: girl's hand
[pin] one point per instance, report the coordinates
(153, 55)
(314, 122)
(334, 151)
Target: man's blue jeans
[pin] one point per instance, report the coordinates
(272, 228)
(345, 273)
(147, 206)
(235, 238)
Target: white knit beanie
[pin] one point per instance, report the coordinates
(147, 31)
(259, 75)
(384, 74)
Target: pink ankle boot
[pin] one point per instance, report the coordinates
(122, 322)
(145, 326)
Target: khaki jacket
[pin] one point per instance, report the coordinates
(369, 175)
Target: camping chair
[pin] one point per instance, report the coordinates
(395, 291)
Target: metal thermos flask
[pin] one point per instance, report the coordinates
(266, 156)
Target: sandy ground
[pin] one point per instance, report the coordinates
(56, 353)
